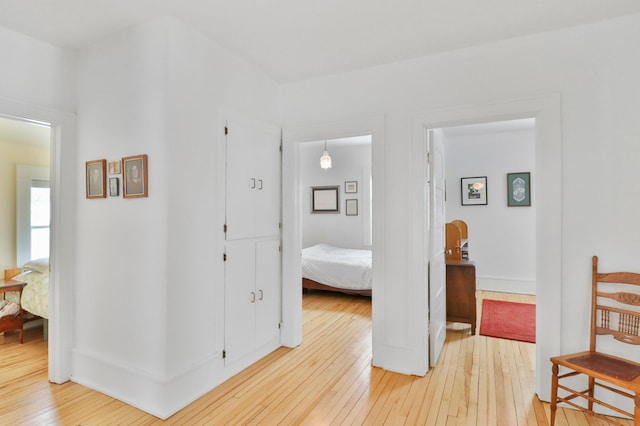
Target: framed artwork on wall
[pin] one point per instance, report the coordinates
(519, 189)
(351, 207)
(114, 187)
(351, 187)
(325, 199)
(114, 167)
(96, 178)
(473, 191)
(134, 178)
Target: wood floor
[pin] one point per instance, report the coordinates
(328, 380)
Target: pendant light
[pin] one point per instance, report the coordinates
(325, 160)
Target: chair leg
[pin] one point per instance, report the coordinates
(554, 394)
(592, 386)
(636, 410)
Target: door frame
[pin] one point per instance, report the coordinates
(292, 199)
(548, 180)
(63, 184)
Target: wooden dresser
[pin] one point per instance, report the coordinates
(461, 292)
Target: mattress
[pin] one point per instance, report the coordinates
(337, 267)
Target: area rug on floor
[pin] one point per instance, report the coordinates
(508, 320)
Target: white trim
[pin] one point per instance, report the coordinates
(63, 211)
(547, 111)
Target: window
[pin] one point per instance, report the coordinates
(33, 213)
(40, 219)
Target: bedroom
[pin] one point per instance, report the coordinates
(25, 217)
(347, 223)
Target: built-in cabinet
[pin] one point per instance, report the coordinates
(252, 239)
(252, 297)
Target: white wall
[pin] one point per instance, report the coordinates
(502, 239)
(150, 308)
(350, 163)
(594, 69)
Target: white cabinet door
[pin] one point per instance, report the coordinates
(268, 273)
(268, 199)
(252, 178)
(240, 178)
(240, 298)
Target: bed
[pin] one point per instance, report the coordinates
(35, 295)
(325, 267)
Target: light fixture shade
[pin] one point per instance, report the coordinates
(325, 160)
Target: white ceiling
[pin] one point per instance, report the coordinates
(299, 39)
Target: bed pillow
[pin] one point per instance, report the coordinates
(38, 265)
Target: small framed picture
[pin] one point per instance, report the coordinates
(96, 179)
(519, 189)
(325, 199)
(114, 187)
(114, 167)
(351, 207)
(134, 179)
(473, 191)
(351, 187)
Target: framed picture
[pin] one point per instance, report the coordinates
(96, 179)
(114, 167)
(473, 191)
(519, 189)
(351, 207)
(351, 187)
(114, 187)
(325, 199)
(134, 179)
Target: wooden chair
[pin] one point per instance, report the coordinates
(615, 311)
(464, 237)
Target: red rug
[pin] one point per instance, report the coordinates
(508, 320)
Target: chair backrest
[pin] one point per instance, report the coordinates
(453, 250)
(615, 305)
(464, 230)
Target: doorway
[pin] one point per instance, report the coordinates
(548, 147)
(295, 199)
(63, 178)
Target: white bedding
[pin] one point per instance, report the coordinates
(337, 267)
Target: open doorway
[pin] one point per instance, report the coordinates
(295, 198)
(548, 147)
(336, 215)
(494, 254)
(63, 178)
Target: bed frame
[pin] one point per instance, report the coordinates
(314, 285)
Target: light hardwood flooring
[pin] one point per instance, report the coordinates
(327, 380)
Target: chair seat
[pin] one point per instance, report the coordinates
(603, 366)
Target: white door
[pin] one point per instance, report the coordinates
(268, 292)
(252, 178)
(241, 180)
(437, 271)
(239, 299)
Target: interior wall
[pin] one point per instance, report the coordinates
(350, 163)
(11, 155)
(599, 102)
(157, 89)
(502, 239)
